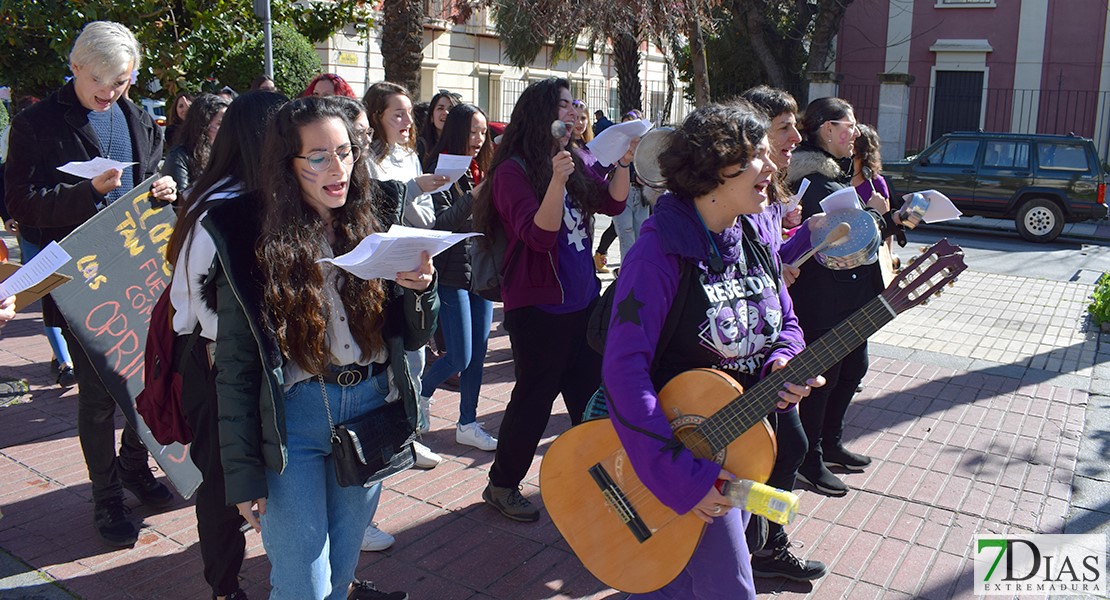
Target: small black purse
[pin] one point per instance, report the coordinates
(372, 447)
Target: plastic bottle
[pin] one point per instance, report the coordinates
(777, 505)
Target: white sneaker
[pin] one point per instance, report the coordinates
(425, 458)
(472, 434)
(375, 539)
(424, 409)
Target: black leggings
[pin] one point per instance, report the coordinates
(607, 238)
(551, 357)
(221, 542)
(822, 413)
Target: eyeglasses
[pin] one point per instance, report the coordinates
(578, 103)
(320, 160)
(849, 124)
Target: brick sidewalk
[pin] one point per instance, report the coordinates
(964, 442)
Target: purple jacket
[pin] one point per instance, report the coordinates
(652, 271)
(533, 278)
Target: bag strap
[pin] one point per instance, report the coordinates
(327, 408)
(674, 315)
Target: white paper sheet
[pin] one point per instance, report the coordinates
(453, 166)
(91, 168)
(796, 199)
(940, 207)
(841, 199)
(610, 145)
(383, 255)
(38, 268)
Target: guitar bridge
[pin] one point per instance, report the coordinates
(619, 503)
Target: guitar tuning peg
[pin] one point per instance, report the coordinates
(922, 249)
(924, 302)
(952, 283)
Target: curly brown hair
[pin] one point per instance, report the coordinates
(295, 304)
(708, 140)
(869, 151)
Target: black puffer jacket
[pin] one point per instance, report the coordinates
(453, 213)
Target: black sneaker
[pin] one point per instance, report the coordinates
(146, 489)
(366, 590)
(238, 594)
(511, 503)
(839, 456)
(111, 522)
(782, 563)
(824, 482)
(55, 366)
(66, 377)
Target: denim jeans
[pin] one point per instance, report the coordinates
(313, 528)
(466, 319)
(27, 251)
(629, 222)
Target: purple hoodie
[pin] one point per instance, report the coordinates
(651, 274)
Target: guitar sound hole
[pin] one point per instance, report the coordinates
(685, 431)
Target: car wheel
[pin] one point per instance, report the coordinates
(1039, 220)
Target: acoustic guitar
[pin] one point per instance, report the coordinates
(620, 531)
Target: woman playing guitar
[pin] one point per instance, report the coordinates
(706, 254)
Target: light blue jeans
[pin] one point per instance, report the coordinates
(313, 528)
(466, 320)
(629, 222)
(27, 251)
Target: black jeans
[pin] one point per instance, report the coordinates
(96, 429)
(822, 413)
(792, 446)
(550, 356)
(222, 544)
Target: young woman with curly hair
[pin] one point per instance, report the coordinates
(195, 137)
(718, 169)
(302, 345)
(542, 198)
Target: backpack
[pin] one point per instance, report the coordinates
(160, 401)
(597, 327)
(487, 263)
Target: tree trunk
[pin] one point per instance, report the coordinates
(626, 55)
(697, 58)
(402, 43)
(825, 27)
(751, 23)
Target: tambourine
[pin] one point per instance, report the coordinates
(646, 157)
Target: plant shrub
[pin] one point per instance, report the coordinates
(295, 62)
(1100, 300)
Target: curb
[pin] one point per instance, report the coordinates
(1007, 226)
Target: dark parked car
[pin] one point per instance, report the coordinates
(1040, 181)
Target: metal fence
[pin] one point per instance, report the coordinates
(603, 95)
(1058, 111)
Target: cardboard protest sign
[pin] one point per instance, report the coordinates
(119, 270)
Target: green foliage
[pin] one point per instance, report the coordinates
(1100, 300)
(4, 117)
(183, 40)
(295, 61)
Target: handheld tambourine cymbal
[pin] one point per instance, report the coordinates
(646, 157)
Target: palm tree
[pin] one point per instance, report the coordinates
(402, 42)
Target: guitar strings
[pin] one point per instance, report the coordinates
(735, 418)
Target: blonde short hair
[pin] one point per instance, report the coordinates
(104, 45)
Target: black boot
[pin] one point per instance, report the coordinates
(780, 562)
(839, 456)
(822, 480)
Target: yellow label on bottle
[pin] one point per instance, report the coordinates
(777, 505)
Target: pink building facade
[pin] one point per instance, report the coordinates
(920, 68)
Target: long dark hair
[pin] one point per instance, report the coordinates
(171, 109)
(234, 160)
(426, 130)
(193, 132)
(456, 138)
(376, 100)
(528, 137)
(296, 305)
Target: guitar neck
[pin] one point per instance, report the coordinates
(746, 410)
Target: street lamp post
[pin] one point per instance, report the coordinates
(262, 11)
